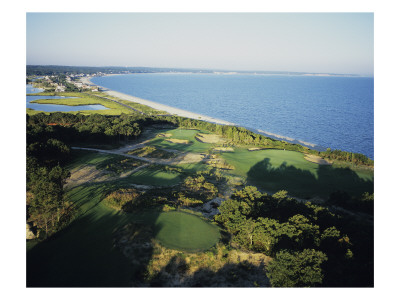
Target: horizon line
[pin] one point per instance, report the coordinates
(205, 69)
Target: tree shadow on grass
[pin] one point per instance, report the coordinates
(241, 274)
(86, 253)
(303, 183)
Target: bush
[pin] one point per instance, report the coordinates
(118, 199)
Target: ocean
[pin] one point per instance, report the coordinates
(328, 111)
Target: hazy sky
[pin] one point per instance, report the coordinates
(304, 42)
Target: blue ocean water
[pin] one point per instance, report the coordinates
(334, 112)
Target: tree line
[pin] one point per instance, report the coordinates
(114, 127)
(47, 209)
(96, 128)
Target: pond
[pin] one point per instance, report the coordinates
(54, 107)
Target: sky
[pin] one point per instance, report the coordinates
(299, 42)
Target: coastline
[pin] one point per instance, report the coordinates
(158, 106)
(187, 114)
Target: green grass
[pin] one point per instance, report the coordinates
(83, 253)
(84, 99)
(85, 157)
(154, 176)
(153, 152)
(184, 231)
(182, 134)
(274, 170)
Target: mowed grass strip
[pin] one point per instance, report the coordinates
(183, 231)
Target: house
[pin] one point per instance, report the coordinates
(60, 88)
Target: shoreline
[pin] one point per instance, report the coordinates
(196, 116)
(158, 106)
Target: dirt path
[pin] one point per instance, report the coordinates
(316, 159)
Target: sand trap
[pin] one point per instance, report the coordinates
(189, 158)
(256, 149)
(178, 141)
(219, 163)
(224, 149)
(316, 159)
(209, 138)
(84, 175)
(164, 135)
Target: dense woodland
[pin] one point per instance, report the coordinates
(312, 246)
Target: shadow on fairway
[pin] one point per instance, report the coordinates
(87, 253)
(303, 183)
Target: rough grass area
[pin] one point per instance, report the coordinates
(152, 152)
(209, 138)
(217, 267)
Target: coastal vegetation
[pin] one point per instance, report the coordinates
(160, 200)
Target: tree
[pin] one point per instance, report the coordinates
(298, 269)
(248, 197)
(306, 234)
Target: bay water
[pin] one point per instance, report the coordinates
(328, 111)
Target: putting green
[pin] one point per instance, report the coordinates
(183, 231)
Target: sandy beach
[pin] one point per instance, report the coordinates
(169, 109)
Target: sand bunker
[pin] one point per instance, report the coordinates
(256, 149)
(84, 175)
(224, 149)
(178, 141)
(218, 162)
(164, 135)
(316, 159)
(209, 138)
